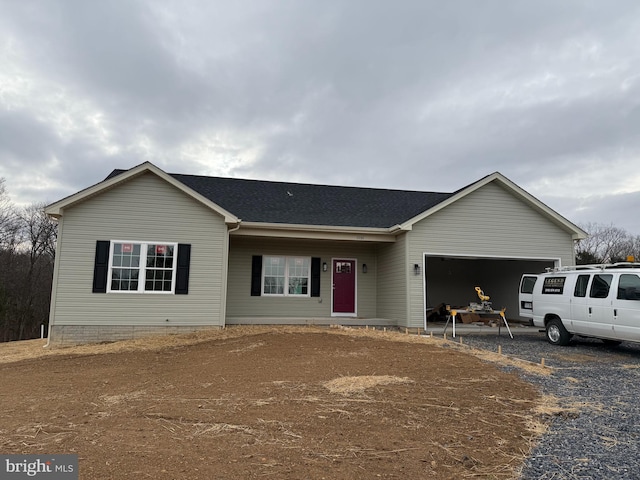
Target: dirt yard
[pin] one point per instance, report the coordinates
(294, 403)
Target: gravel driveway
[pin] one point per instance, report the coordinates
(598, 437)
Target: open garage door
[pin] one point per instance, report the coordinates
(451, 280)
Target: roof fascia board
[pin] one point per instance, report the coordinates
(577, 232)
(319, 232)
(56, 209)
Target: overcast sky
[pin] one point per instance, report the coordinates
(420, 95)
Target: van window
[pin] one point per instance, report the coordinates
(527, 284)
(581, 286)
(629, 287)
(600, 286)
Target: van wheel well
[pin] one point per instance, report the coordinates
(555, 331)
(548, 318)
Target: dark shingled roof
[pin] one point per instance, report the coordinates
(306, 204)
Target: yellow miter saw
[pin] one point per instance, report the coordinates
(486, 304)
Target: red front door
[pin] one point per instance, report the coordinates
(344, 286)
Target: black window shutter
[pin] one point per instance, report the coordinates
(101, 266)
(256, 275)
(182, 272)
(315, 277)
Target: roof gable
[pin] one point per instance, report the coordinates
(516, 191)
(56, 209)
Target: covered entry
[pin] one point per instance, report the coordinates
(451, 279)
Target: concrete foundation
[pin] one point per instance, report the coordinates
(62, 335)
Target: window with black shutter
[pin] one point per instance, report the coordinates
(141, 267)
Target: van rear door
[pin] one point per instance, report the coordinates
(526, 295)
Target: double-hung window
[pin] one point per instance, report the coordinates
(286, 276)
(143, 267)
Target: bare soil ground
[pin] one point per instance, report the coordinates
(295, 403)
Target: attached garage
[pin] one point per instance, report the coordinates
(487, 235)
(451, 279)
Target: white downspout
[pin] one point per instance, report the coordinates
(46, 345)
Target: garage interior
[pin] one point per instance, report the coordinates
(452, 280)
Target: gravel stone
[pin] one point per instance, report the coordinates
(599, 435)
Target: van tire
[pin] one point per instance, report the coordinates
(556, 333)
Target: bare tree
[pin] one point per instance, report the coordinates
(634, 247)
(27, 249)
(9, 224)
(37, 250)
(40, 232)
(606, 244)
(9, 233)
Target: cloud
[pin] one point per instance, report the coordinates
(618, 210)
(415, 94)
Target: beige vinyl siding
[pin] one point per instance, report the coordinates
(392, 298)
(240, 303)
(489, 222)
(145, 208)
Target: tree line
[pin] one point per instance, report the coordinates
(27, 253)
(606, 244)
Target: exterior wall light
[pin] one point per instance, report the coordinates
(324, 266)
(364, 268)
(416, 269)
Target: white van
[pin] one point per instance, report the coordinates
(600, 301)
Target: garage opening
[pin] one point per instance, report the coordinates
(451, 280)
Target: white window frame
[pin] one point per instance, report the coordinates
(142, 268)
(287, 260)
